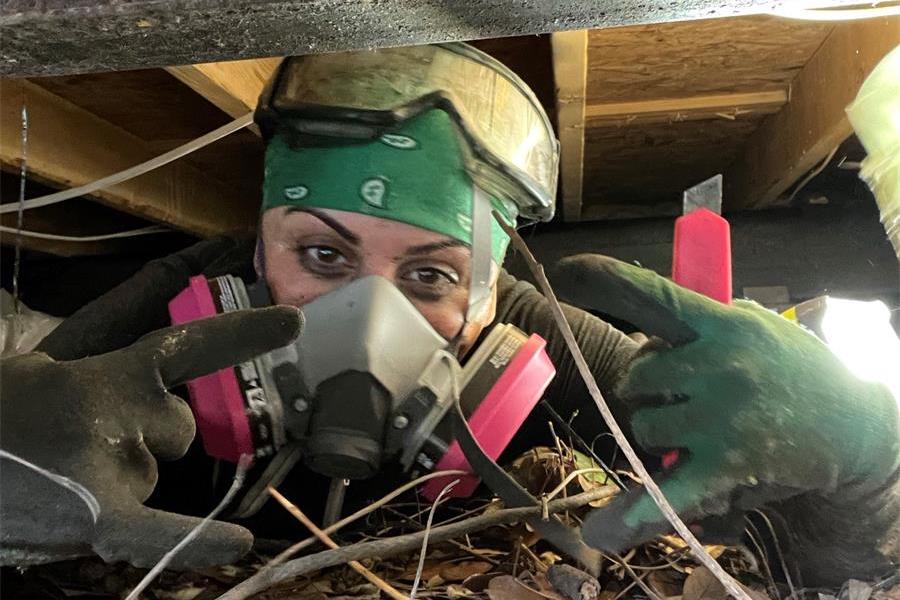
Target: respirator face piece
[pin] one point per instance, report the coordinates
(368, 382)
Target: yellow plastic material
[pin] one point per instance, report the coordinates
(875, 115)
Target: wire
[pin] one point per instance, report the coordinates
(812, 175)
(820, 13)
(243, 464)
(132, 172)
(86, 238)
(79, 490)
(434, 505)
(20, 209)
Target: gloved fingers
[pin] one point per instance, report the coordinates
(188, 351)
(142, 536)
(167, 424)
(659, 376)
(664, 427)
(635, 518)
(654, 304)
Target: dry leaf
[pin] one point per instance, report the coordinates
(463, 570)
(434, 582)
(667, 582)
(549, 558)
(479, 583)
(889, 594)
(507, 587)
(858, 590)
(701, 584)
(429, 569)
(454, 590)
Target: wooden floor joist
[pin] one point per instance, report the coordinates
(726, 106)
(232, 86)
(796, 139)
(570, 74)
(69, 146)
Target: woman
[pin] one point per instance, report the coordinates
(385, 163)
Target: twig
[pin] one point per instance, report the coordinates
(400, 544)
(243, 464)
(562, 468)
(538, 563)
(777, 544)
(699, 552)
(358, 515)
(475, 552)
(434, 505)
(638, 579)
(380, 583)
(569, 479)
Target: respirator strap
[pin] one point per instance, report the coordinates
(566, 539)
(480, 284)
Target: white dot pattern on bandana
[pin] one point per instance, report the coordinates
(373, 192)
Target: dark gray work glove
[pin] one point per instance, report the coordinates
(99, 422)
(140, 304)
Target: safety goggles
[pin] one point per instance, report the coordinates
(509, 145)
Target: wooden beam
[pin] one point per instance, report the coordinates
(691, 108)
(233, 86)
(69, 146)
(791, 142)
(570, 75)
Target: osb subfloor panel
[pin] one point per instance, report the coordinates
(641, 169)
(694, 58)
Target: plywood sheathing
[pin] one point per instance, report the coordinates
(638, 168)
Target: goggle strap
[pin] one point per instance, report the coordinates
(480, 283)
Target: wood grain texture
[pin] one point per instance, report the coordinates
(570, 77)
(672, 60)
(814, 122)
(69, 146)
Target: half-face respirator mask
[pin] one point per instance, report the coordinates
(368, 382)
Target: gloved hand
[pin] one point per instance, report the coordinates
(140, 303)
(760, 408)
(99, 421)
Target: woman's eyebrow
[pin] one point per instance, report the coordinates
(428, 248)
(328, 220)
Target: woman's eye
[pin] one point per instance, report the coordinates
(325, 254)
(430, 283)
(323, 260)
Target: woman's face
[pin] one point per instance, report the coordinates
(309, 252)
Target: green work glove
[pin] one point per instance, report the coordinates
(761, 409)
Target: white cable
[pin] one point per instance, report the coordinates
(79, 490)
(86, 238)
(132, 172)
(434, 505)
(244, 463)
(821, 13)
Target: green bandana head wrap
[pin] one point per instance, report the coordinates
(414, 175)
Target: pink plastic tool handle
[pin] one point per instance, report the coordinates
(701, 258)
(701, 261)
(499, 416)
(215, 398)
